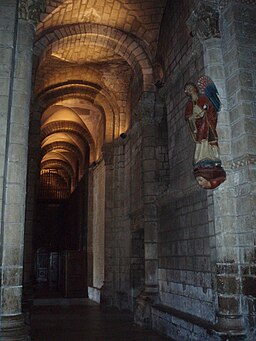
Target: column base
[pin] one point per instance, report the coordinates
(106, 295)
(13, 328)
(142, 312)
(231, 326)
(27, 302)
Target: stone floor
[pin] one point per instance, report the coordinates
(65, 320)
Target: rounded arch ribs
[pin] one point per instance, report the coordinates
(65, 146)
(126, 45)
(55, 163)
(95, 94)
(66, 126)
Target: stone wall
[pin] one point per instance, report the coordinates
(184, 256)
(181, 63)
(206, 239)
(123, 213)
(185, 230)
(237, 295)
(138, 171)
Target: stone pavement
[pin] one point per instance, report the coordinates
(87, 322)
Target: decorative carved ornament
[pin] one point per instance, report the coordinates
(224, 3)
(204, 22)
(245, 160)
(30, 10)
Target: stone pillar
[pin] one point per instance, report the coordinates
(33, 175)
(222, 212)
(146, 113)
(15, 169)
(107, 290)
(238, 43)
(90, 229)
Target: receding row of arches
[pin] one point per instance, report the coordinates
(87, 78)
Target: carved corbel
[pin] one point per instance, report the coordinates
(204, 22)
(30, 10)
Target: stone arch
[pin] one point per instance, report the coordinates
(63, 145)
(118, 41)
(133, 17)
(54, 155)
(76, 127)
(53, 163)
(94, 94)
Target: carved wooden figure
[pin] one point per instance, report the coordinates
(201, 115)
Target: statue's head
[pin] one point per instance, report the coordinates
(190, 88)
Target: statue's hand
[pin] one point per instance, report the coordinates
(198, 112)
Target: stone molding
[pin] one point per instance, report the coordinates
(30, 10)
(13, 328)
(204, 22)
(224, 3)
(245, 160)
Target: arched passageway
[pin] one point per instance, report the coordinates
(103, 193)
(89, 71)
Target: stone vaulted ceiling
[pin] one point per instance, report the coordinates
(90, 58)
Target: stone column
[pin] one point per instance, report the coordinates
(107, 290)
(90, 231)
(33, 175)
(15, 170)
(222, 212)
(240, 71)
(146, 113)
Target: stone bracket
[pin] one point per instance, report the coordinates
(30, 10)
(204, 22)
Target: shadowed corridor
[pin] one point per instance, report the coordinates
(65, 320)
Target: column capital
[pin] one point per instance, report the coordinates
(225, 3)
(30, 10)
(204, 22)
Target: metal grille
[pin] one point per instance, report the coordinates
(54, 185)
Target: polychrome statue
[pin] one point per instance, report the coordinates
(201, 114)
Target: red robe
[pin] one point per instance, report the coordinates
(206, 125)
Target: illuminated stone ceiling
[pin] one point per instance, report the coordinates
(91, 57)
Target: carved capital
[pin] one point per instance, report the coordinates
(30, 10)
(224, 3)
(204, 22)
